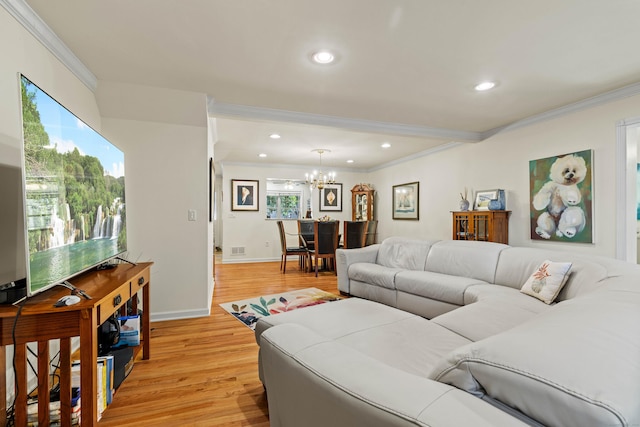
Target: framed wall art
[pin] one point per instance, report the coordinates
(561, 203)
(244, 195)
(331, 198)
(406, 202)
(483, 197)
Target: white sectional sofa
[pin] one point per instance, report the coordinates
(441, 335)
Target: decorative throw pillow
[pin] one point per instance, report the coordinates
(547, 281)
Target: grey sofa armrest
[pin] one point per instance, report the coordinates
(346, 257)
(317, 382)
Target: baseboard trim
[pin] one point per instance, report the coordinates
(248, 260)
(177, 315)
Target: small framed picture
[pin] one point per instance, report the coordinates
(331, 198)
(406, 201)
(482, 199)
(244, 195)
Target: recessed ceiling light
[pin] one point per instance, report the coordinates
(274, 136)
(485, 86)
(262, 155)
(386, 145)
(323, 57)
(349, 161)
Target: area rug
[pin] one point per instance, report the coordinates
(250, 310)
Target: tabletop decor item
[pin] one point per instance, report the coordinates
(483, 197)
(499, 203)
(464, 202)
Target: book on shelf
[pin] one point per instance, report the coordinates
(105, 380)
(102, 379)
(108, 386)
(54, 413)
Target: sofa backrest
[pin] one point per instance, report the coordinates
(402, 252)
(574, 364)
(476, 260)
(588, 272)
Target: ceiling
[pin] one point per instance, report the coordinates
(405, 70)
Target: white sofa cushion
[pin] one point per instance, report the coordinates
(336, 319)
(578, 363)
(414, 345)
(313, 381)
(489, 317)
(472, 259)
(437, 286)
(374, 274)
(517, 264)
(404, 253)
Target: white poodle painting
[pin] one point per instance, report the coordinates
(561, 197)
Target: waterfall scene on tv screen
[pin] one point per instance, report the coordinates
(74, 192)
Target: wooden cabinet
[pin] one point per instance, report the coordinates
(488, 226)
(362, 202)
(38, 321)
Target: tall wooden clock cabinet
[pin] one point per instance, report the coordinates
(362, 202)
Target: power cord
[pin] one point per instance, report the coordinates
(11, 410)
(55, 391)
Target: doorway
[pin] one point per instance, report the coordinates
(628, 186)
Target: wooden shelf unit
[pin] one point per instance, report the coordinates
(39, 321)
(488, 226)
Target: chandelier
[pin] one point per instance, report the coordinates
(318, 179)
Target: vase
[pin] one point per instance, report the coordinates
(495, 205)
(464, 205)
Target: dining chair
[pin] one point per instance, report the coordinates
(301, 252)
(354, 234)
(370, 234)
(305, 233)
(325, 238)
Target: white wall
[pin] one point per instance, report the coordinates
(167, 175)
(252, 230)
(502, 162)
(167, 142)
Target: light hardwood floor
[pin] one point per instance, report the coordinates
(204, 372)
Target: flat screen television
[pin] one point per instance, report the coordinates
(73, 190)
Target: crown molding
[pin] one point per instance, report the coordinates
(594, 101)
(401, 160)
(288, 166)
(428, 152)
(259, 113)
(26, 16)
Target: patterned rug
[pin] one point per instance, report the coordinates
(250, 310)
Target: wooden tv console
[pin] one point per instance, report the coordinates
(39, 321)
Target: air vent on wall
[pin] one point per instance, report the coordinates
(237, 250)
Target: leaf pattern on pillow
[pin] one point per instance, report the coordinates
(540, 278)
